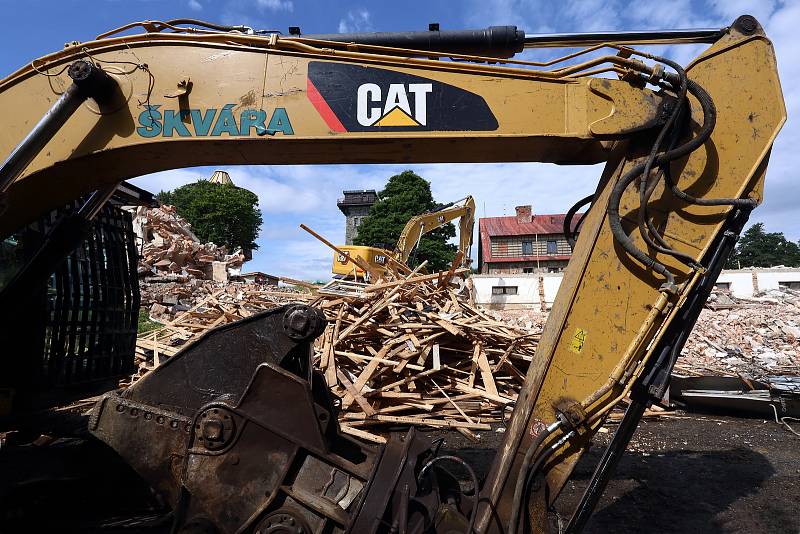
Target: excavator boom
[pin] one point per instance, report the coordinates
(417, 226)
(257, 447)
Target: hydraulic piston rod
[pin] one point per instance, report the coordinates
(704, 35)
(506, 41)
(88, 81)
(495, 41)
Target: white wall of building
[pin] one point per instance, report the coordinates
(527, 289)
(742, 284)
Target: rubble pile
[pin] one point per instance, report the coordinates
(405, 351)
(189, 310)
(528, 319)
(171, 251)
(166, 300)
(410, 351)
(756, 337)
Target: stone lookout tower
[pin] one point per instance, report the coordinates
(355, 206)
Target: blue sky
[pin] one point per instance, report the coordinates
(290, 195)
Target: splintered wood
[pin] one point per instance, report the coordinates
(410, 351)
(405, 351)
(211, 305)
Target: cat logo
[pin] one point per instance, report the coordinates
(395, 107)
(353, 98)
(380, 260)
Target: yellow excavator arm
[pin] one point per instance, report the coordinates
(686, 151)
(346, 257)
(420, 225)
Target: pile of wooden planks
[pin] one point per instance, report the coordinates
(221, 304)
(406, 350)
(410, 351)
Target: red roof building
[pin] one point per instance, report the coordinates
(524, 243)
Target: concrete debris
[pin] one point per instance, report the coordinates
(756, 337)
(170, 248)
(166, 300)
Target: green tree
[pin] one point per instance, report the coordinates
(758, 248)
(224, 214)
(406, 195)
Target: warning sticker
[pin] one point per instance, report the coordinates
(577, 341)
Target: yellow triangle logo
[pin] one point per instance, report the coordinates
(397, 117)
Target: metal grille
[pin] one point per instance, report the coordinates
(92, 307)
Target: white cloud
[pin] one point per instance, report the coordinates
(194, 5)
(525, 14)
(275, 5)
(779, 19)
(594, 15)
(168, 180)
(356, 20)
(730, 9)
(258, 14)
(660, 15)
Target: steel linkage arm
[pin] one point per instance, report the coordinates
(88, 81)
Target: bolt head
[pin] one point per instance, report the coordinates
(298, 321)
(213, 430)
(79, 70)
(748, 24)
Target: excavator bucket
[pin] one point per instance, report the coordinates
(237, 431)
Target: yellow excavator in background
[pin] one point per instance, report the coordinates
(415, 228)
(237, 432)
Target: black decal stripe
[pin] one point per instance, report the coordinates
(449, 108)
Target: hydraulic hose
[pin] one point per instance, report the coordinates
(614, 219)
(519, 488)
(205, 24)
(569, 233)
(219, 27)
(646, 226)
(540, 460)
(473, 477)
(647, 185)
(197, 22)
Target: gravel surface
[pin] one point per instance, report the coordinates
(710, 474)
(698, 473)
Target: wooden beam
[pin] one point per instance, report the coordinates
(414, 280)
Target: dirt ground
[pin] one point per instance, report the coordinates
(701, 473)
(698, 473)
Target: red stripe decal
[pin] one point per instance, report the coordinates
(323, 108)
